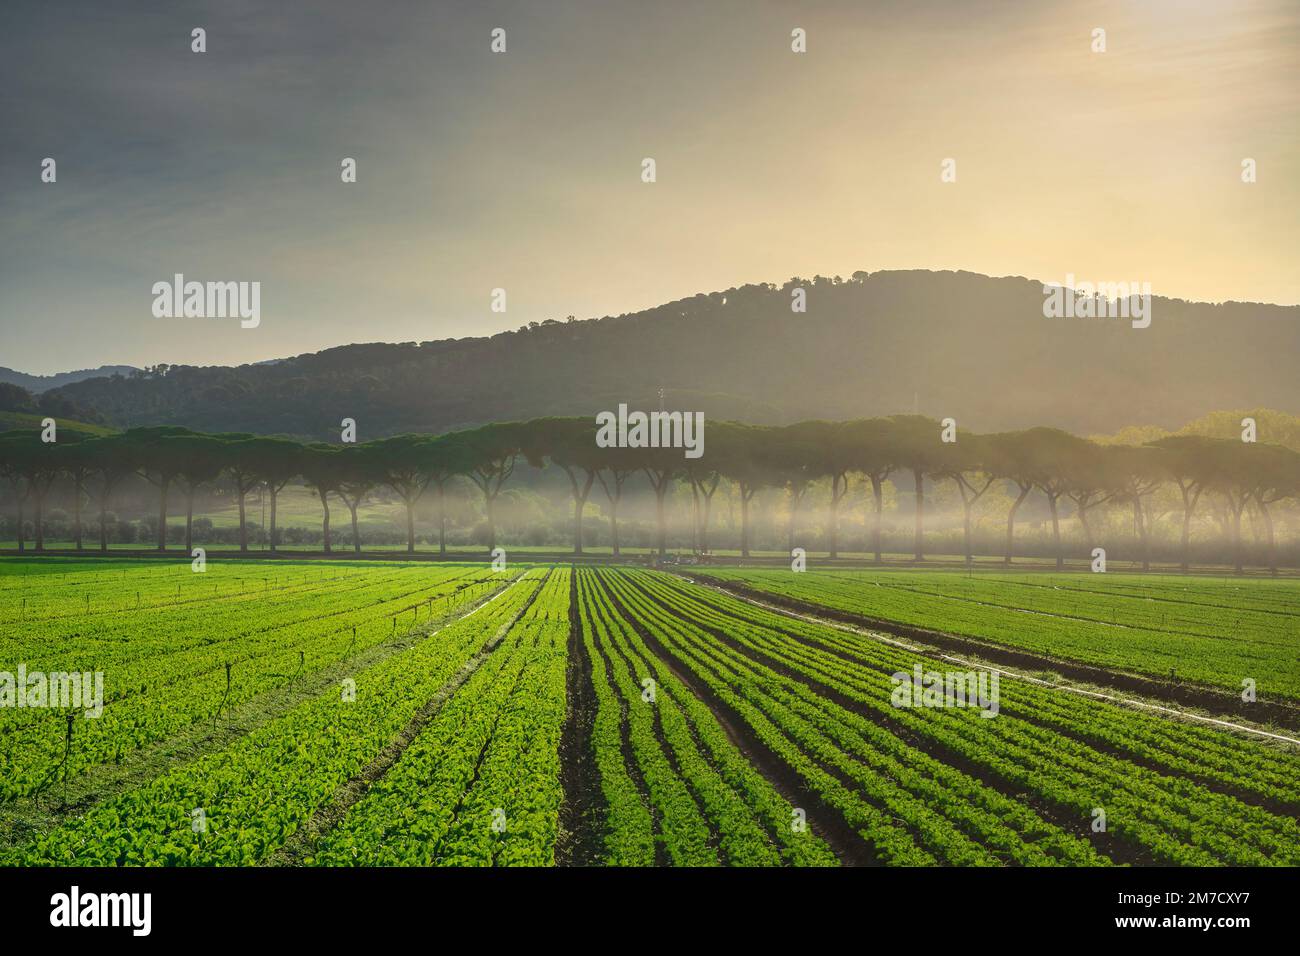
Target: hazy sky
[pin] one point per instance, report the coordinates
(522, 170)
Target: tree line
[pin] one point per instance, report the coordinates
(1068, 471)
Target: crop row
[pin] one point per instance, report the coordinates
(1171, 818)
(711, 805)
(49, 599)
(954, 817)
(110, 639)
(170, 691)
(1222, 652)
(1227, 761)
(1222, 761)
(480, 784)
(251, 796)
(1127, 607)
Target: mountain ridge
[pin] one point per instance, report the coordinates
(42, 383)
(945, 343)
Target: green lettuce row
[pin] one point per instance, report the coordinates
(962, 833)
(1177, 746)
(258, 791)
(260, 664)
(891, 842)
(492, 741)
(1221, 660)
(743, 789)
(1157, 805)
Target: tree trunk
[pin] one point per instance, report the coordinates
(659, 513)
(243, 525)
(1187, 536)
(442, 521)
(1081, 512)
(189, 522)
(836, 494)
(613, 524)
(1056, 532)
(1236, 536)
(22, 532)
(579, 506)
(1011, 522)
(1189, 506)
(878, 493)
(1139, 522)
(966, 507)
(744, 522)
(1268, 527)
(920, 512)
(275, 494)
(410, 528)
(76, 513)
(695, 518)
(794, 511)
(325, 524)
(704, 520)
(38, 518)
(162, 514)
(356, 533)
(580, 495)
(103, 522)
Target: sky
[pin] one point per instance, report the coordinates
(522, 170)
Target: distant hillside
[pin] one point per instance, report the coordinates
(947, 343)
(66, 426)
(41, 383)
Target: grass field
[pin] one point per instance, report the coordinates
(395, 713)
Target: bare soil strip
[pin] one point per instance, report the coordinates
(583, 815)
(1206, 698)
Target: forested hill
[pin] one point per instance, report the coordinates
(40, 383)
(945, 343)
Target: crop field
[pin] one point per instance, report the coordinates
(1213, 631)
(345, 713)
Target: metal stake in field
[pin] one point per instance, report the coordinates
(67, 752)
(223, 699)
